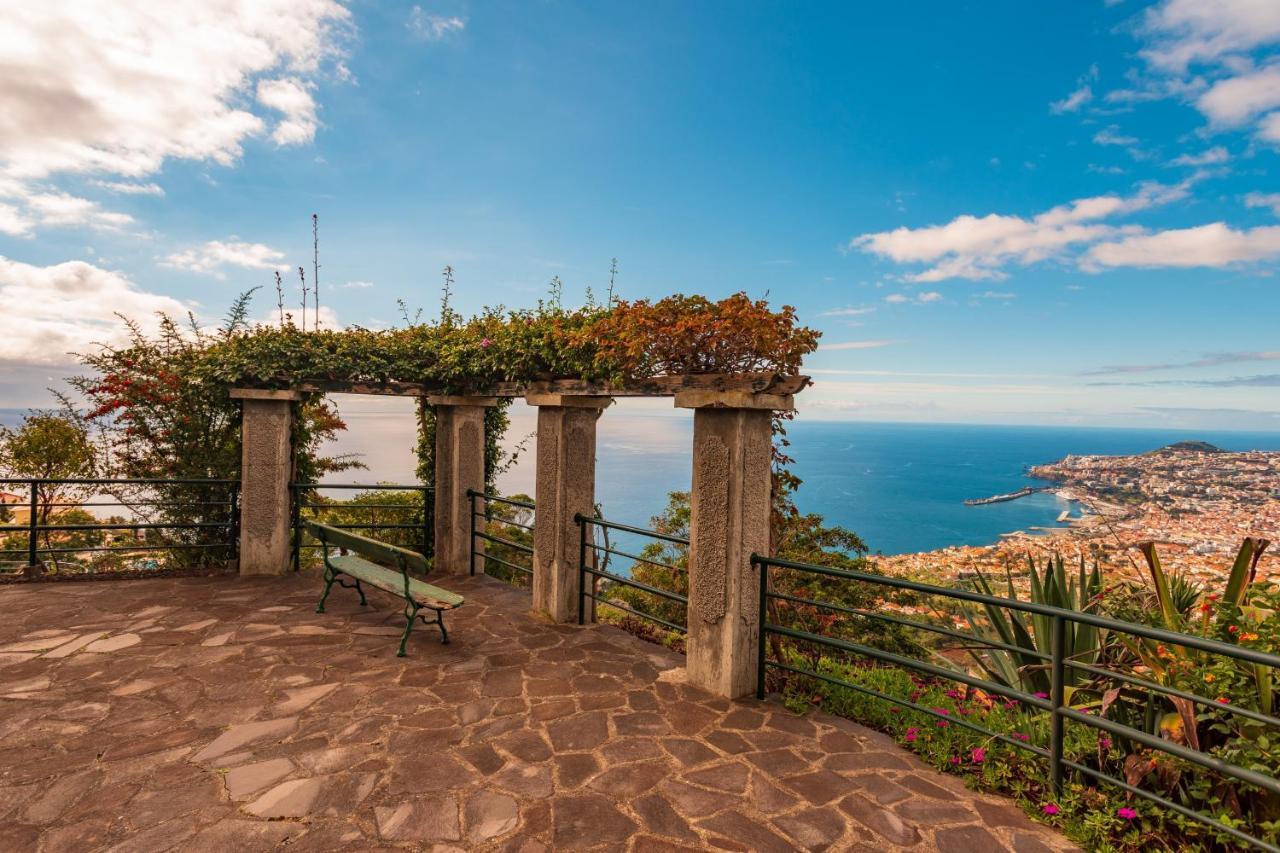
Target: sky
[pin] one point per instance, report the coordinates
(997, 212)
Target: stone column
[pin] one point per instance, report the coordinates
(566, 485)
(266, 464)
(459, 467)
(730, 519)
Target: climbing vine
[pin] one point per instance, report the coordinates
(163, 400)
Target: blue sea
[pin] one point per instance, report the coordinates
(901, 487)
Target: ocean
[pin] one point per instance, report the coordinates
(901, 487)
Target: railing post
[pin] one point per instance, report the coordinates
(764, 621)
(1057, 690)
(233, 521)
(32, 524)
(426, 521)
(295, 512)
(471, 539)
(582, 567)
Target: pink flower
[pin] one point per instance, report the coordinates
(978, 755)
(1050, 809)
(1104, 742)
(1040, 694)
(485, 343)
(911, 736)
(942, 724)
(955, 759)
(1126, 813)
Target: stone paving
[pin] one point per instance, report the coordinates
(224, 714)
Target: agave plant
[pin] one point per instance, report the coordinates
(1028, 668)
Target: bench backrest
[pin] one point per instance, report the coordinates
(370, 549)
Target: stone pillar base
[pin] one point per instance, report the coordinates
(731, 499)
(566, 486)
(266, 465)
(459, 468)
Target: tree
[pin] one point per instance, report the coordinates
(49, 447)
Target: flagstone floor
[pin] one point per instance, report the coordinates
(225, 714)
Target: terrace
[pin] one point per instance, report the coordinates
(223, 713)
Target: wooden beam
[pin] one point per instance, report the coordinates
(657, 386)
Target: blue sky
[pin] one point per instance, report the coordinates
(999, 212)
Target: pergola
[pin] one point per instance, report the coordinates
(730, 502)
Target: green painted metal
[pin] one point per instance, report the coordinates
(417, 594)
(1058, 620)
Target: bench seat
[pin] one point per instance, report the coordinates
(370, 564)
(390, 580)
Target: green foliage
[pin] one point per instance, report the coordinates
(50, 446)
(384, 511)
(1053, 586)
(512, 523)
(800, 537)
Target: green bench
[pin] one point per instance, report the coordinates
(369, 565)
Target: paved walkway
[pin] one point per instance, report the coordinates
(224, 714)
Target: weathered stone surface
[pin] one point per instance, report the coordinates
(754, 834)
(601, 741)
(489, 815)
(265, 466)
(250, 778)
(883, 822)
(426, 819)
(564, 486)
(588, 820)
(967, 839)
(246, 733)
(115, 643)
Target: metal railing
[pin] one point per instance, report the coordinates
(417, 516)
(493, 521)
(1054, 704)
(590, 572)
(208, 520)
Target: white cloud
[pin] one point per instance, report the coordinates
(1212, 245)
(848, 312)
(920, 299)
(290, 96)
(1271, 200)
(1112, 136)
(115, 89)
(428, 27)
(1269, 128)
(58, 208)
(1073, 101)
(1187, 32)
(1212, 157)
(1236, 100)
(69, 307)
(1229, 41)
(980, 247)
(857, 345)
(212, 256)
(997, 294)
(328, 317)
(129, 188)
(13, 222)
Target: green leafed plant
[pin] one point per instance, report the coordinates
(1026, 666)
